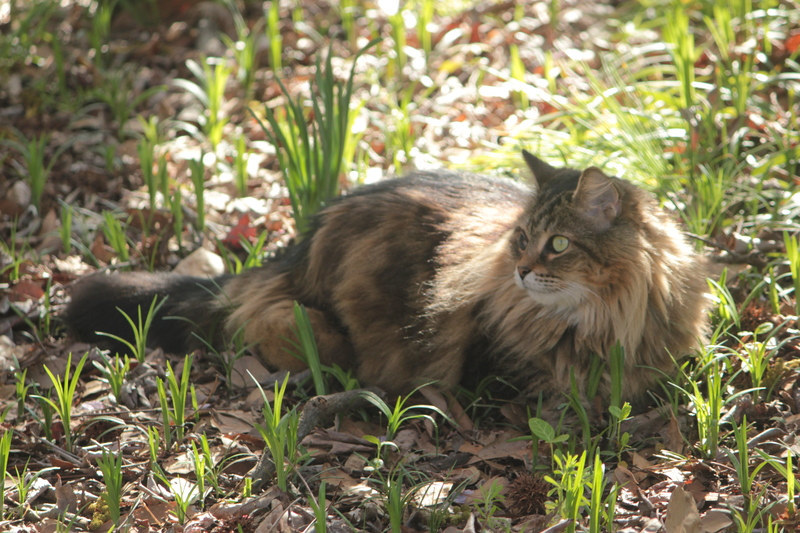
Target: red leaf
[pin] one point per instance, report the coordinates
(242, 230)
(793, 43)
(26, 290)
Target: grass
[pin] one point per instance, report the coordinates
(5, 449)
(310, 151)
(695, 102)
(65, 394)
(279, 431)
(401, 414)
(114, 372)
(140, 328)
(198, 182)
(110, 465)
(180, 390)
(35, 171)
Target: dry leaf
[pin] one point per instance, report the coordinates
(26, 290)
(682, 515)
(337, 477)
(640, 462)
(715, 520)
(200, 523)
(233, 422)
(431, 494)
(480, 492)
(244, 368)
(673, 439)
(625, 478)
(100, 250)
(518, 449)
(448, 405)
(66, 499)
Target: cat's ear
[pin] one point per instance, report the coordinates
(542, 172)
(597, 197)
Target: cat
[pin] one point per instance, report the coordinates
(440, 274)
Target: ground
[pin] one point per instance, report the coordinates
(135, 135)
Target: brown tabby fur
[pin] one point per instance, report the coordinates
(420, 278)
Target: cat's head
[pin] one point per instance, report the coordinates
(572, 237)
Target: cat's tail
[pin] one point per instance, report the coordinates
(189, 309)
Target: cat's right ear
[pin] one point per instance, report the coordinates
(597, 197)
(542, 172)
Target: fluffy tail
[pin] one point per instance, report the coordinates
(192, 307)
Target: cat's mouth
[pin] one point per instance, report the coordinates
(547, 289)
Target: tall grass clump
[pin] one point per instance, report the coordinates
(210, 92)
(310, 150)
(65, 395)
(678, 34)
(280, 432)
(35, 171)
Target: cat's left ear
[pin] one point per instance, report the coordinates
(597, 197)
(542, 172)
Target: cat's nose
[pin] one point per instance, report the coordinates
(523, 271)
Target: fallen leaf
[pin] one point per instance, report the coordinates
(66, 499)
(187, 490)
(16, 200)
(26, 290)
(179, 464)
(714, 520)
(625, 478)
(246, 369)
(673, 439)
(200, 523)
(50, 223)
(682, 515)
(100, 250)
(640, 462)
(481, 491)
(233, 421)
(431, 494)
(448, 405)
(242, 230)
(156, 513)
(337, 477)
(793, 43)
(405, 439)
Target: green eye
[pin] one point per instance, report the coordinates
(558, 243)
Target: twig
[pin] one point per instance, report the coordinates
(561, 526)
(771, 433)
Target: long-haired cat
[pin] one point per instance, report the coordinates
(419, 278)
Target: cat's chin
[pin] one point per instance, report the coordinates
(556, 300)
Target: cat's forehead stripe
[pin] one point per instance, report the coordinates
(542, 212)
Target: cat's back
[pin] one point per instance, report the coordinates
(389, 238)
(451, 192)
(404, 220)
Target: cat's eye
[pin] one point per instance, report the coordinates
(558, 243)
(522, 240)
